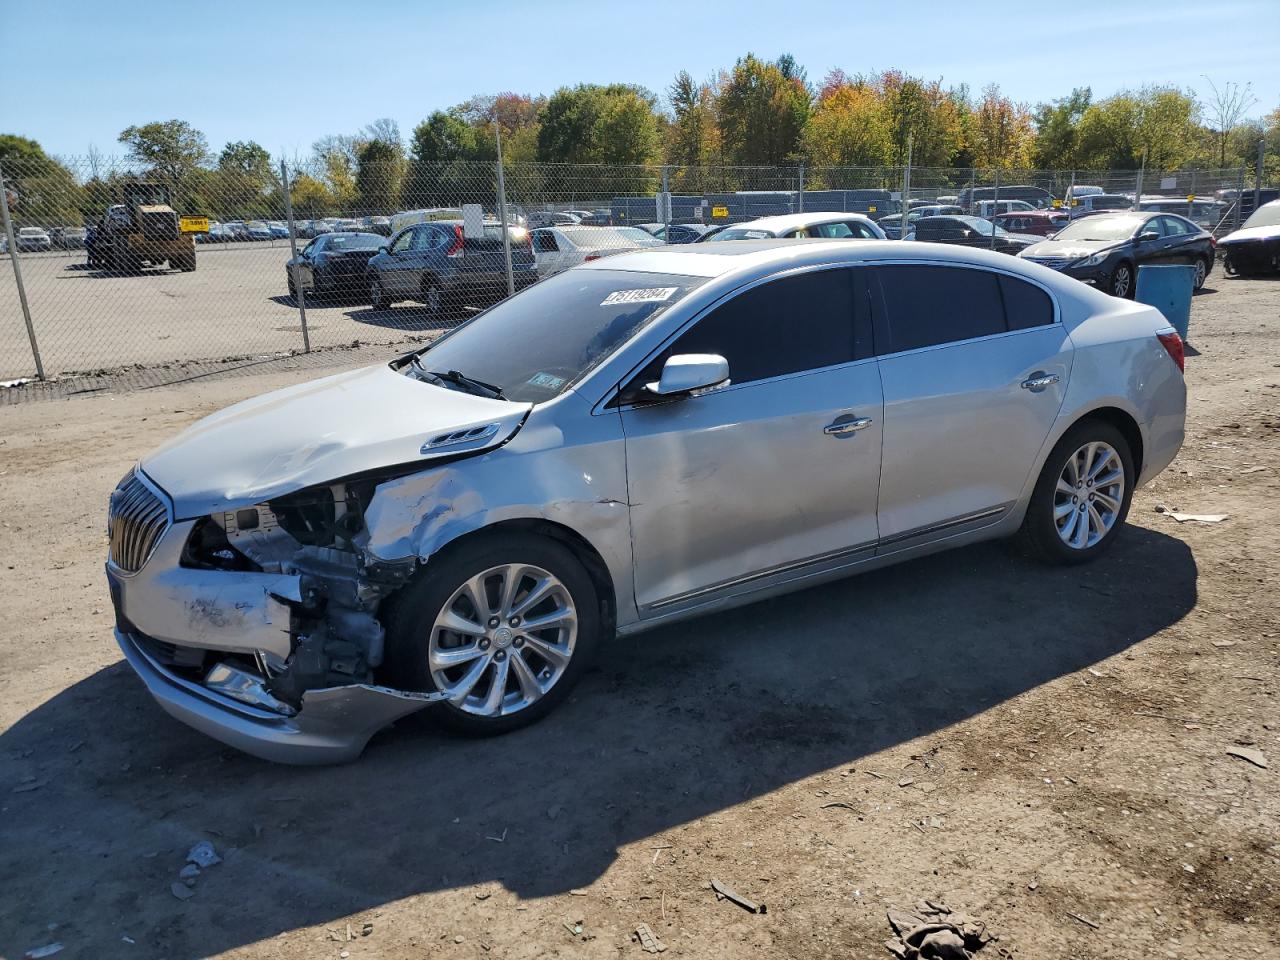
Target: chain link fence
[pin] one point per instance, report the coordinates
(104, 266)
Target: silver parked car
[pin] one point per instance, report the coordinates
(827, 225)
(653, 436)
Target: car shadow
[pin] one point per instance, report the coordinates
(669, 727)
(408, 317)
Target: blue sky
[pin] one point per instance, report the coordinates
(285, 73)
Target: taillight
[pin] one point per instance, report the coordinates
(1172, 343)
(456, 249)
(591, 256)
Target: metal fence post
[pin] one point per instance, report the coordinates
(293, 250)
(995, 208)
(1239, 197)
(801, 200)
(1257, 183)
(906, 193)
(666, 197)
(502, 211)
(17, 276)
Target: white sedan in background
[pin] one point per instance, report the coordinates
(800, 226)
(558, 248)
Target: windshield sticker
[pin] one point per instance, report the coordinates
(546, 380)
(648, 295)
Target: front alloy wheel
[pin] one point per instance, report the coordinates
(1202, 273)
(1122, 281)
(502, 625)
(377, 294)
(503, 640)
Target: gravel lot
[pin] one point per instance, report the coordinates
(234, 305)
(1044, 749)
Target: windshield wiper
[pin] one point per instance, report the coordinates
(460, 380)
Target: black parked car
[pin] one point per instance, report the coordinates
(675, 232)
(334, 263)
(436, 264)
(1106, 249)
(971, 232)
(1254, 249)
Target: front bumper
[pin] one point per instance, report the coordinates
(333, 725)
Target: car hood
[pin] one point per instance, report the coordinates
(1069, 249)
(318, 432)
(1251, 233)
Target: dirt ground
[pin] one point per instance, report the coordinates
(1044, 749)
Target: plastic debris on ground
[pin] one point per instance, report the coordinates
(932, 931)
(203, 855)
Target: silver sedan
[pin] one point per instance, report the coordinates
(658, 435)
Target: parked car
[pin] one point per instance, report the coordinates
(33, 240)
(1203, 213)
(675, 232)
(971, 232)
(892, 224)
(335, 264)
(1263, 196)
(378, 225)
(713, 231)
(1041, 223)
(1106, 249)
(799, 226)
(1038, 197)
(1092, 203)
(1254, 249)
(215, 234)
(598, 218)
(435, 264)
(348, 226)
(72, 238)
(279, 230)
(558, 248)
(1083, 190)
(551, 218)
(651, 437)
(320, 227)
(257, 230)
(985, 208)
(237, 230)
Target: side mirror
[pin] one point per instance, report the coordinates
(687, 372)
(1147, 236)
(383, 249)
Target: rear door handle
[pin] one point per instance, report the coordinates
(842, 427)
(1039, 380)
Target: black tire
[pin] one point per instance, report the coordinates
(1124, 281)
(410, 615)
(1039, 535)
(378, 294)
(1202, 275)
(432, 297)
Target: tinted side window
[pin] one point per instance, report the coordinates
(931, 305)
(797, 323)
(401, 243)
(1025, 305)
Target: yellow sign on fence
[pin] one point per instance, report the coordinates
(194, 225)
(718, 212)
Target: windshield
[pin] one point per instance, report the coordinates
(982, 226)
(537, 344)
(1101, 228)
(607, 237)
(1267, 215)
(741, 233)
(352, 241)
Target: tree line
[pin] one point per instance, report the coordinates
(759, 113)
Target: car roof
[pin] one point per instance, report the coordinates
(764, 256)
(789, 221)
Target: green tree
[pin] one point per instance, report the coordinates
(761, 110)
(449, 162)
(924, 112)
(42, 191)
(615, 124)
(172, 149)
(1160, 123)
(850, 126)
(1057, 129)
(378, 175)
(1001, 133)
(692, 138)
(244, 179)
(310, 197)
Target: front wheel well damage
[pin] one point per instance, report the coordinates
(586, 554)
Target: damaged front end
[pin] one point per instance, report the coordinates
(259, 625)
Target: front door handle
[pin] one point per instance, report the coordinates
(844, 426)
(1039, 380)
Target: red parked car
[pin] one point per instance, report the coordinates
(1042, 223)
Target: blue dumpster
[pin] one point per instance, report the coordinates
(1168, 287)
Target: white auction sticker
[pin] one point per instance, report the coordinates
(647, 295)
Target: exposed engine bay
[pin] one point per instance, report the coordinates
(310, 534)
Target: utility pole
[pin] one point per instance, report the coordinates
(502, 211)
(906, 191)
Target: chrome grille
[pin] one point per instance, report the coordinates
(136, 519)
(1053, 263)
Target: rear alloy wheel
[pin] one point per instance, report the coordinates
(1201, 274)
(377, 294)
(503, 627)
(1083, 494)
(1122, 282)
(432, 297)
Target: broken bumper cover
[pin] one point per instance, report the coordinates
(332, 726)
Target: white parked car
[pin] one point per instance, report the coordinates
(799, 226)
(31, 239)
(559, 248)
